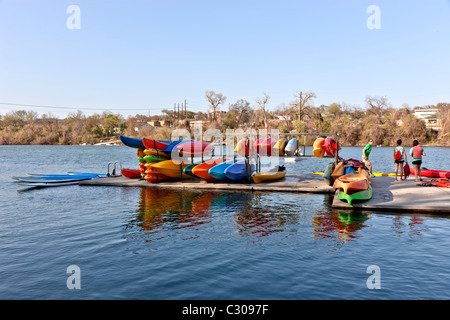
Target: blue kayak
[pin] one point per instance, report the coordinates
(239, 171)
(218, 171)
(132, 142)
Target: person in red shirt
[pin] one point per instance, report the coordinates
(416, 153)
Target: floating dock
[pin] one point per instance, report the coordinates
(307, 183)
(388, 195)
(402, 196)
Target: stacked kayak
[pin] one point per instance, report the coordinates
(218, 171)
(330, 146)
(291, 147)
(318, 149)
(240, 171)
(326, 146)
(354, 186)
(202, 170)
(280, 146)
(245, 147)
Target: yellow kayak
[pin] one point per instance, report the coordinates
(352, 182)
(268, 176)
(318, 147)
(172, 168)
(155, 152)
(280, 145)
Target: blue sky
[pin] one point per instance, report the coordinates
(142, 56)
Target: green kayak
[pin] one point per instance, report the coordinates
(153, 159)
(188, 170)
(358, 196)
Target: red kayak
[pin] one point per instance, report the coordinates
(154, 144)
(131, 173)
(330, 146)
(432, 173)
(156, 177)
(266, 146)
(195, 148)
(202, 170)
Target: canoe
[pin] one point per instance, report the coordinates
(195, 148)
(173, 146)
(131, 173)
(355, 181)
(330, 146)
(245, 147)
(318, 149)
(152, 159)
(432, 173)
(132, 142)
(280, 146)
(291, 147)
(155, 152)
(338, 171)
(363, 195)
(239, 171)
(155, 144)
(218, 171)
(273, 175)
(172, 168)
(202, 170)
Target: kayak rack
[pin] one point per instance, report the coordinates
(114, 168)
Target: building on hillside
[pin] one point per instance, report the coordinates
(430, 116)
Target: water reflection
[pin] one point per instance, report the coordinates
(173, 209)
(302, 218)
(342, 226)
(252, 214)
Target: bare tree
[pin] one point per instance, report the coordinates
(304, 98)
(215, 100)
(262, 102)
(377, 105)
(242, 110)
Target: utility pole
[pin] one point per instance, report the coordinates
(300, 105)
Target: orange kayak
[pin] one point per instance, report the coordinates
(355, 181)
(202, 170)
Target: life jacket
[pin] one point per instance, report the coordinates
(417, 152)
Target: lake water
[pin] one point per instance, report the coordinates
(141, 243)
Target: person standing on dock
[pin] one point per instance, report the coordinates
(399, 159)
(365, 156)
(416, 153)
